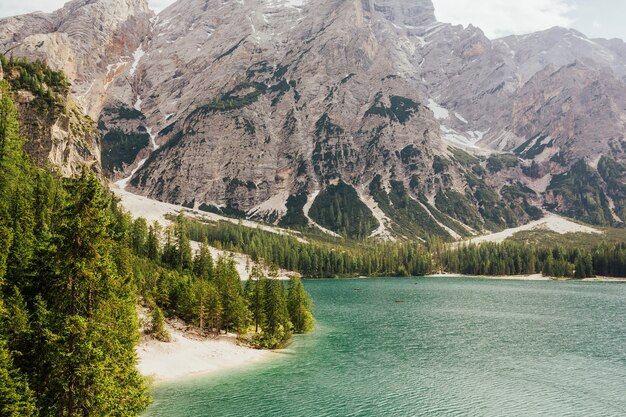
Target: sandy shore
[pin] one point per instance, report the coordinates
(188, 356)
(533, 277)
(153, 210)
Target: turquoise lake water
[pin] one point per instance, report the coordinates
(433, 347)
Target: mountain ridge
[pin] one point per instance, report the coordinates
(262, 107)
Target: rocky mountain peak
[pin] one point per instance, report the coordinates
(90, 40)
(276, 109)
(403, 12)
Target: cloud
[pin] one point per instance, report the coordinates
(504, 17)
(17, 7)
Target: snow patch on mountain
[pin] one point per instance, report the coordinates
(139, 53)
(440, 112)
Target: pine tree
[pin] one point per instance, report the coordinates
(184, 259)
(277, 325)
(16, 398)
(548, 266)
(157, 325)
(153, 244)
(94, 365)
(139, 236)
(254, 293)
(203, 261)
(299, 304)
(234, 311)
(13, 161)
(213, 308)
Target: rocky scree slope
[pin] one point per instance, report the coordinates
(306, 102)
(363, 118)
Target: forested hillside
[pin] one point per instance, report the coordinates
(73, 267)
(69, 325)
(326, 257)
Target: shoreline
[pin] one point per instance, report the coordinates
(190, 356)
(532, 277)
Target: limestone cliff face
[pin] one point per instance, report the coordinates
(261, 108)
(92, 41)
(57, 132)
(333, 97)
(66, 141)
(260, 101)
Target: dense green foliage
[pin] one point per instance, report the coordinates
(523, 259)
(274, 310)
(242, 95)
(411, 218)
(72, 266)
(614, 175)
(49, 87)
(120, 148)
(295, 218)
(194, 288)
(343, 258)
(518, 196)
(457, 206)
(317, 258)
(497, 163)
(585, 199)
(400, 109)
(496, 214)
(339, 208)
(66, 295)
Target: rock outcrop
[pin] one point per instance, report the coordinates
(92, 42)
(414, 127)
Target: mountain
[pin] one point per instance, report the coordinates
(57, 133)
(362, 118)
(92, 41)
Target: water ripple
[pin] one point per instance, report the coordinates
(455, 347)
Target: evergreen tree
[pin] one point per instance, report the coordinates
(67, 298)
(213, 308)
(13, 161)
(94, 365)
(234, 311)
(276, 329)
(16, 398)
(299, 304)
(203, 261)
(157, 325)
(153, 244)
(139, 236)
(184, 259)
(254, 293)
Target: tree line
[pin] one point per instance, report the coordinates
(210, 294)
(346, 258)
(73, 264)
(522, 259)
(316, 259)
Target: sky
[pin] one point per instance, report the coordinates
(594, 18)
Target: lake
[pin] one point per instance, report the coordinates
(433, 347)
